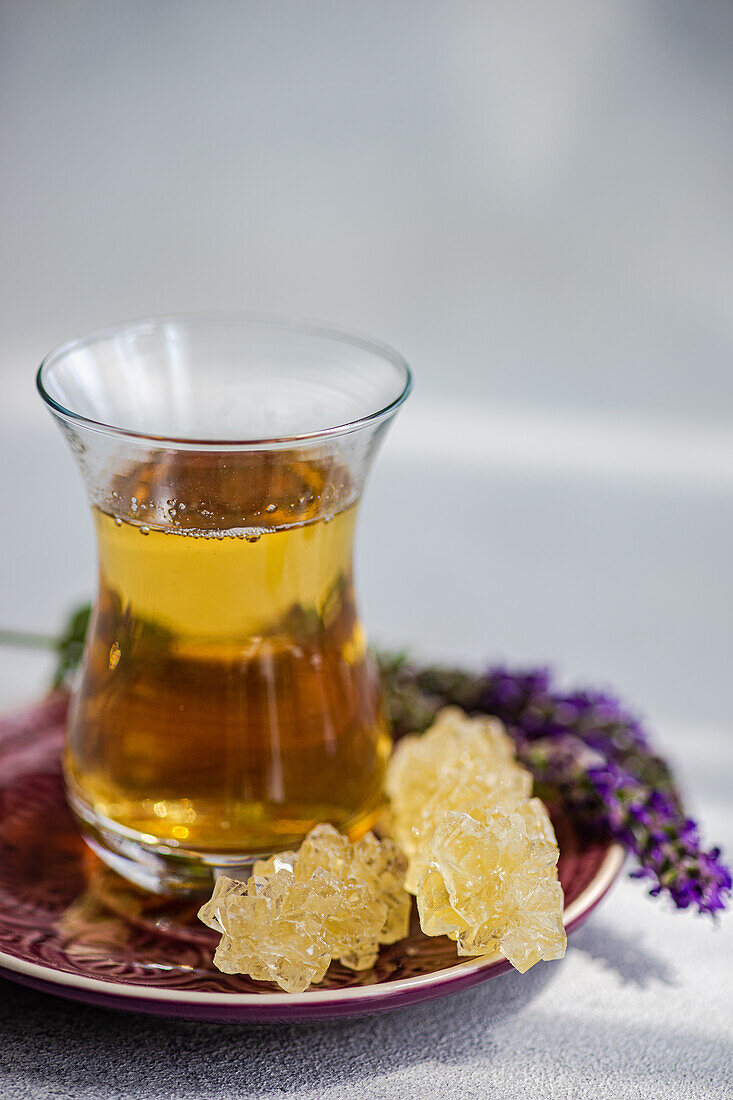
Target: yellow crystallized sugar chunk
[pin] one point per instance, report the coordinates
(482, 853)
(299, 910)
(493, 886)
(460, 763)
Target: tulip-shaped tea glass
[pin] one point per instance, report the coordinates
(227, 701)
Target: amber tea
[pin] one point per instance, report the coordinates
(219, 635)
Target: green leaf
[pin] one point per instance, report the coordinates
(70, 644)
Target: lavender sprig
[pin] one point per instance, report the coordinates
(587, 749)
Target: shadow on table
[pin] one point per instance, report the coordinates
(631, 959)
(88, 1051)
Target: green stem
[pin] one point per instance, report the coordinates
(28, 639)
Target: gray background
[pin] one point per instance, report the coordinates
(533, 203)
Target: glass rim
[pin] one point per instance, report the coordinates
(284, 322)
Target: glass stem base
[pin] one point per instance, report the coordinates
(156, 866)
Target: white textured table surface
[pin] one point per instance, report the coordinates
(533, 204)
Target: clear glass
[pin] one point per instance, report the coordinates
(227, 700)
